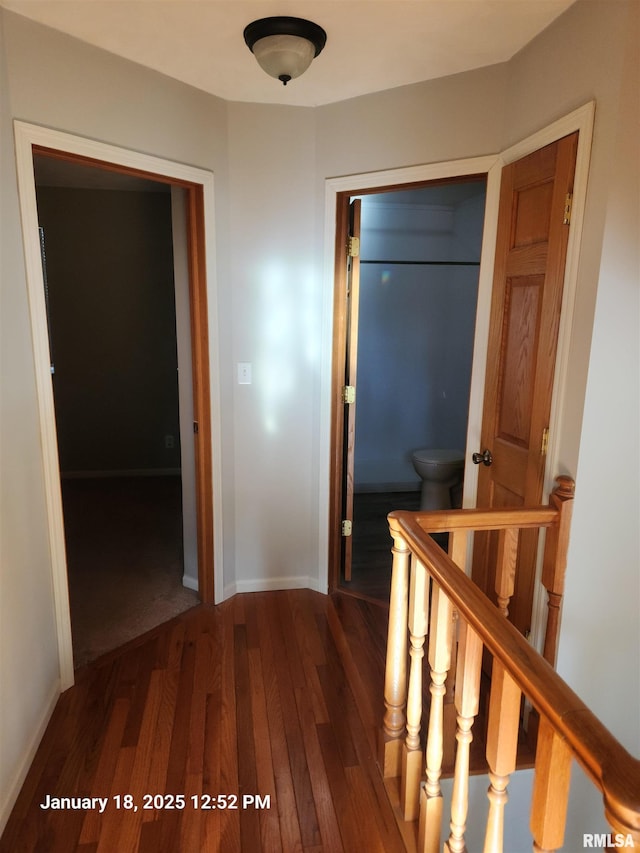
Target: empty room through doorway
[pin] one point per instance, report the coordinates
(107, 247)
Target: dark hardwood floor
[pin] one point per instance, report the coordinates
(371, 563)
(276, 696)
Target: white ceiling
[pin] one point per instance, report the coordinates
(372, 45)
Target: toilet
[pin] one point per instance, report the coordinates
(440, 471)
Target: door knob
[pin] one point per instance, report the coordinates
(485, 457)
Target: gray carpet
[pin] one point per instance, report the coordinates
(124, 555)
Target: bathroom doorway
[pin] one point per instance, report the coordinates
(412, 294)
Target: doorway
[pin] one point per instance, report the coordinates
(108, 263)
(412, 309)
(337, 190)
(197, 187)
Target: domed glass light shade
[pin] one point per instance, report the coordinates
(283, 46)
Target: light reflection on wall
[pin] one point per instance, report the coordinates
(287, 339)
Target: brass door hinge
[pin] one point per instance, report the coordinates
(353, 247)
(347, 527)
(568, 203)
(348, 393)
(545, 441)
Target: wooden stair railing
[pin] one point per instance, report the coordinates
(432, 600)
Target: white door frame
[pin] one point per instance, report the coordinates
(579, 120)
(26, 137)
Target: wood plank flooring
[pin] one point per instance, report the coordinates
(371, 561)
(372, 543)
(272, 696)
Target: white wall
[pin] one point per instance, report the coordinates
(112, 313)
(28, 649)
(602, 405)
(56, 81)
(607, 513)
(275, 285)
(270, 164)
(447, 119)
(586, 54)
(601, 625)
(591, 52)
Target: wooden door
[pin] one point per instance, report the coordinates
(350, 375)
(533, 227)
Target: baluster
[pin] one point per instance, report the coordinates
(467, 698)
(502, 745)
(506, 567)
(395, 678)
(554, 564)
(439, 661)
(450, 684)
(450, 721)
(458, 547)
(550, 789)
(458, 552)
(412, 754)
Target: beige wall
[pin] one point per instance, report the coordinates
(28, 650)
(601, 624)
(591, 52)
(583, 56)
(605, 365)
(60, 82)
(52, 80)
(270, 165)
(447, 119)
(112, 310)
(275, 290)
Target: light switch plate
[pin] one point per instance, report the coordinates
(244, 373)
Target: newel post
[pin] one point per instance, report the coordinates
(395, 677)
(554, 564)
(550, 789)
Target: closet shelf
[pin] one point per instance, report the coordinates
(425, 263)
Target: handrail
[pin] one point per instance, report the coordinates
(433, 599)
(485, 519)
(606, 761)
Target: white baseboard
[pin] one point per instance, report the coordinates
(270, 585)
(10, 796)
(190, 583)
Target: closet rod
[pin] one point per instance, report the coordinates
(427, 263)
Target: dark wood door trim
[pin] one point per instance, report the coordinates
(339, 354)
(201, 392)
(337, 380)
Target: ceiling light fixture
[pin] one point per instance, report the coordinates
(283, 46)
